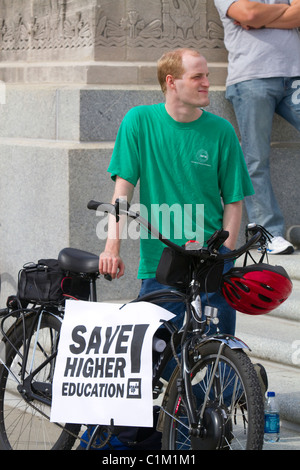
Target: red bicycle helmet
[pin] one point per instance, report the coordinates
(256, 289)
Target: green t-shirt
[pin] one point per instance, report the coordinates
(182, 168)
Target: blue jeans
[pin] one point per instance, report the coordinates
(227, 315)
(255, 102)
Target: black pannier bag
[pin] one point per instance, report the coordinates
(174, 269)
(41, 282)
(47, 282)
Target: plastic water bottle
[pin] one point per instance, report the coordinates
(272, 419)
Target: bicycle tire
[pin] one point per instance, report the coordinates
(25, 425)
(234, 419)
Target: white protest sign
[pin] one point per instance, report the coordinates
(103, 368)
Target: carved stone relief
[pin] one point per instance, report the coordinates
(183, 22)
(74, 25)
(50, 26)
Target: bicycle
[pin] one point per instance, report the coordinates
(213, 399)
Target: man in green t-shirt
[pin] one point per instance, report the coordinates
(185, 158)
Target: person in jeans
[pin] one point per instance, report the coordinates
(181, 155)
(263, 42)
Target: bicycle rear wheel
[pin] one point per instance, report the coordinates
(234, 414)
(24, 423)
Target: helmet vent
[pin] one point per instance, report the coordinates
(232, 295)
(264, 298)
(242, 286)
(267, 287)
(257, 307)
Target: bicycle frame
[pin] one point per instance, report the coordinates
(189, 338)
(193, 332)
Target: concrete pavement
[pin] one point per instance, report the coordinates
(289, 440)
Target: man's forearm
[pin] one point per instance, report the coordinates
(232, 221)
(123, 190)
(290, 19)
(110, 261)
(254, 14)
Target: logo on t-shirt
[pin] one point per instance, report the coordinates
(201, 158)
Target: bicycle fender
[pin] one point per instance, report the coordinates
(231, 341)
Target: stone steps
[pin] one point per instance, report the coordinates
(269, 337)
(274, 340)
(94, 72)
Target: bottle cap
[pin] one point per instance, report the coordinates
(271, 394)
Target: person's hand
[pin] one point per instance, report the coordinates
(244, 26)
(111, 264)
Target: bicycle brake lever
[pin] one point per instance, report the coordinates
(253, 229)
(121, 204)
(217, 239)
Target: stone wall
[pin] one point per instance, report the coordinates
(85, 40)
(107, 29)
(70, 70)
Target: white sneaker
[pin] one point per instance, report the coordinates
(278, 245)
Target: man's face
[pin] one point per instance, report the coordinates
(192, 88)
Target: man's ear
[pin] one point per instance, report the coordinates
(170, 81)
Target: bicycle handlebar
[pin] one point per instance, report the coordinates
(122, 208)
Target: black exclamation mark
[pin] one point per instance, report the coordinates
(136, 347)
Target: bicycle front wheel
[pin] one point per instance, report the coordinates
(233, 417)
(24, 422)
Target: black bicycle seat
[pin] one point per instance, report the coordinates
(78, 261)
